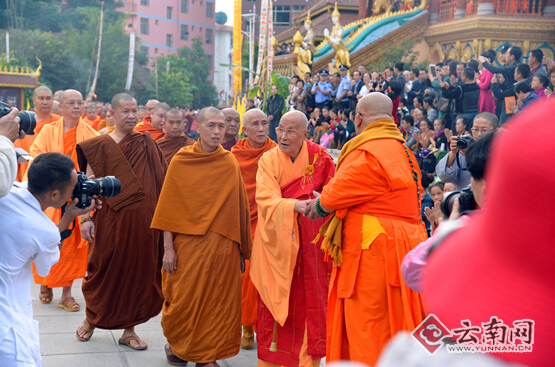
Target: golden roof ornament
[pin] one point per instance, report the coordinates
(335, 11)
(308, 20)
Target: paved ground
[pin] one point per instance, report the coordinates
(60, 347)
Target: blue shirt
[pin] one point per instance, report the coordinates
(344, 85)
(320, 97)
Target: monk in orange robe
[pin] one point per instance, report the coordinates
(62, 136)
(155, 124)
(376, 197)
(43, 102)
(122, 288)
(287, 269)
(207, 237)
(103, 115)
(248, 152)
(147, 110)
(233, 122)
(57, 109)
(175, 138)
(110, 125)
(91, 118)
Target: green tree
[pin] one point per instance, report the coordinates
(174, 88)
(393, 54)
(198, 66)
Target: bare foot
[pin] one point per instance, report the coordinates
(85, 331)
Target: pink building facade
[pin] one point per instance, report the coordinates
(164, 26)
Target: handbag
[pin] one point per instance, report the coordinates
(443, 104)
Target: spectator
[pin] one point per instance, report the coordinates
(549, 90)
(299, 97)
(501, 89)
(414, 87)
(474, 65)
(427, 202)
(419, 115)
(434, 214)
(398, 71)
(362, 69)
(452, 167)
(418, 102)
(424, 82)
(512, 58)
(431, 113)
(320, 131)
(321, 91)
(9, 132)
(356, 87)
(274, 109)
(466, 96)
(342, 95)
(334, 116)
(395, 90)
(439, 140)
(462, 126)
(535, 59)
(539, 84)
(525, 96)
(334, 80)
(351, 131)
(312, 122)
(308, 83)
(486, 102)
(325, 116)
(407, 123)
(367, 87)
(424, 138)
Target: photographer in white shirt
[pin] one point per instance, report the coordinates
(28, 236)
(9, 131)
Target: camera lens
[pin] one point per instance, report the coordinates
(111, 186)
(448, 201)
(27, 122)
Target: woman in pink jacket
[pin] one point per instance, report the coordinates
(486, 102)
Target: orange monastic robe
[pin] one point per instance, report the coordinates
(73, 256)
(248, 158)
(375, 196)
(156, 134)
(92, 123)
(28, 140)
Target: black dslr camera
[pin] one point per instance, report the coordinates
(85, 188)
(466, 201)
(463, 141)
(27, 119)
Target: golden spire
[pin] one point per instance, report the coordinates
(308, 20)
(335, 11)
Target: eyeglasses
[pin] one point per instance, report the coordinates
(73, 103)
(281, 131)
(481, 131)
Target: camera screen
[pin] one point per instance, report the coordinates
(433, 70)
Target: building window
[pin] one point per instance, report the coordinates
(200, 29)
(169, 40)
(208, 36)
(156, 50)
(144, 51)
(282, 15)
(169, 12)
(184, 32)
(144, 25)
(210, 61)
(296, 9)
(144, 2)
(210, 10)
(185, 6)
(192, 28)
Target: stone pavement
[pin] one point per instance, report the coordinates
(60, 347)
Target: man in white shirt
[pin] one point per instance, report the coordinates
(28, 236)
(9, 131)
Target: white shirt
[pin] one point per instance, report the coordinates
(363, 91)
(8, 165)
(27, 235)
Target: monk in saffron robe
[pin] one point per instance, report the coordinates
(103, 114)
(287, 269)
(233, 122)
(204, 213)
(155, 124)
(43, 102)
(62, 136)
(110, 125)
(91, 118)
(122, 288)
(175, 138)
(248, 152)
(57, 109)
(376, 197)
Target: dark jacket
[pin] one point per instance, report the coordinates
(466, 97)
(274, 106)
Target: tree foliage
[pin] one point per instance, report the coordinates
(173, 88)
(397, 53)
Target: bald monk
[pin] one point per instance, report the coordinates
(122, 288)
(43, 102)
(56, 108)
(62, 136)
(110, 125)
(154, 124)
(232, 123)
(376, 193)
(91, 118)
(287, 269)
(207, 237)
(248, 152)
(103, 113)
(148, 110)
(175, 138)
(57, 95)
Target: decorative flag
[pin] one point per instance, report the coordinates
(237, 39)
(270, 43)
(262, 38)
(131, 61)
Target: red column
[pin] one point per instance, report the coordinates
(363, 11)
(434, 11)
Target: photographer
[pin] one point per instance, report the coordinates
(9, 132)
(451, 168)
(415, 261)
(28, 236)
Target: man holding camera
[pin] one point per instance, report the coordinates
(452, 167)
(62, 136)
(123, 284)
(28, 236)
(9, 131)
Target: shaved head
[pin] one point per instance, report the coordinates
(251, 115)
(149, 106)
(42, 88)
(298, 117)
(173, 111)
(56, 109)
(230, 112)
(201, 117)
(166, 107)
(373, 106)
(90, 106)
(118, 98)
(64, 94)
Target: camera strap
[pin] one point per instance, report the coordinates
(65, 234)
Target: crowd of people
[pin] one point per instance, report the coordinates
(313, 258)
